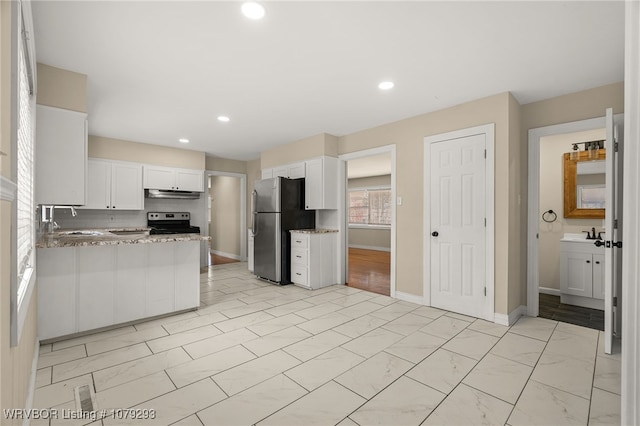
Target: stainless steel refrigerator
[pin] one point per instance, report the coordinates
(278, 207)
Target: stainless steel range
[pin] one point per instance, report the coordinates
(171, 223)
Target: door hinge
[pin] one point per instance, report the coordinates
(485, 291)
(485, 153)
(485, 222)
(615, 223)
(615, 301)
(615, 147)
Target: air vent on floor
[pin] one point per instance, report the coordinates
(84, 398)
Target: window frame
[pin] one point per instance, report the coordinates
(367, 225)
(22, 43)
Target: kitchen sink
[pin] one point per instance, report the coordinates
(130, 233)
(82, 233)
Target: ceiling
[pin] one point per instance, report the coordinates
(161, 70)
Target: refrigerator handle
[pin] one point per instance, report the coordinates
(254, 229)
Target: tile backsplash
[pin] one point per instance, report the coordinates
(132, 218)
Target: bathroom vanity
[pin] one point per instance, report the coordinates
(581, 272)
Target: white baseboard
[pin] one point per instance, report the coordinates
(407, 297)
(510, 319)
(229, 255)
(376, 248)
(547, 290)
(28, 405)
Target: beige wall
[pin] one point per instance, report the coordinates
(224, 227)
(314, 146)
(517, 272)
(15, 362)
(116, 149)
(61, 88)
(217, 164)
(363, 237)
(552, 149)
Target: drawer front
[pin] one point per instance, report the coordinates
(299, 275)
(299, 257)
(299, 241)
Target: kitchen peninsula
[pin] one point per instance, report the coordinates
(97, 278)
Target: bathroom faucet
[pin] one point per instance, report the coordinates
(591, 235)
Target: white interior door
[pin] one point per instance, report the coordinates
(458, 225)
(613, 231)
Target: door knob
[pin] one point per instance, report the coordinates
(434, 234)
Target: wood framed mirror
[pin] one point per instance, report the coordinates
(575, 187)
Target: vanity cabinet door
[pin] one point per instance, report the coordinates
(576, 274)
(598, 276)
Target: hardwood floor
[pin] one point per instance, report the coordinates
(370, 270)
(551, 308)
(221, 260)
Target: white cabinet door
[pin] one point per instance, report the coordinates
(161, 284)
(187, 272)
(576, 274)
(98, 185)
(126, 187)
(56, 292)
(321, 184)
(95, 286)
(159, 177)
(131, 282)
(267, 173)
(598, 276)
(313, 185)
(296, 171)
(60, 156)
(189, 180)
(281, 172)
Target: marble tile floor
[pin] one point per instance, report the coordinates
(256, 353)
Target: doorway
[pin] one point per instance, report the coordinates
(226, 217)
(369, 217)
(611, 259)
(367, 245)
(575, 308)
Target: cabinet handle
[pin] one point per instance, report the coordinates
(588, 261)
(113, 207)
(299, 257)
(597, 262)
(298, 273)
(108, 207)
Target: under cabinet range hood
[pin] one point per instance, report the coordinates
(169, 193)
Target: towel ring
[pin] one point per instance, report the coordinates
(549, 216)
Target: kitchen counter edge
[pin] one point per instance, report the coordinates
(58, 241)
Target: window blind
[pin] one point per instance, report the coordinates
(25, 203)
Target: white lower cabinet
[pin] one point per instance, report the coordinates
(95, 286)
(582, 274)
(313, 259)
(131, 283)
(56, 292)
(84, 288)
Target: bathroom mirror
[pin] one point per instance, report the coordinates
(584, 185)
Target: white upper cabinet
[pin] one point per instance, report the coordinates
(158, 177)
(321, 184)
(291, 171)
(60, 156)
(114, 185)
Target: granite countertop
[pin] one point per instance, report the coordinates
(109, 236)
(314, 231)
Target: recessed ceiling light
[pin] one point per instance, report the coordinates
(386, 85)
(223, 118)
(183, 140)
(253, 10)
